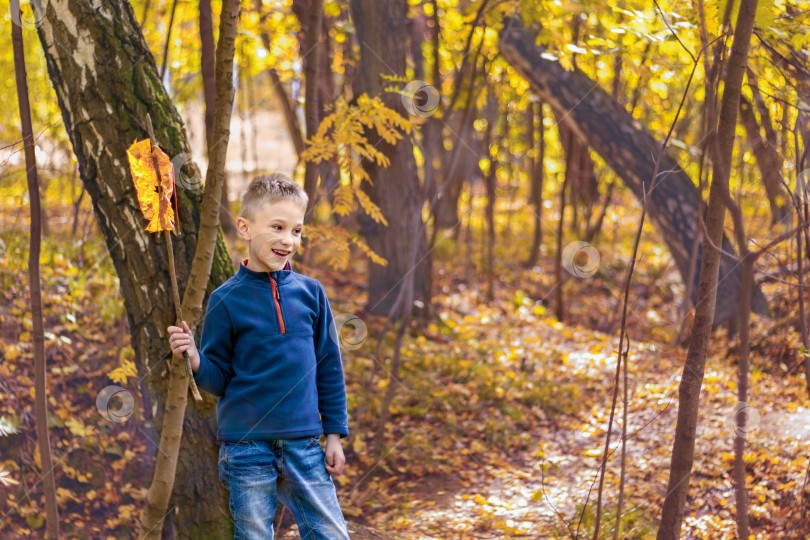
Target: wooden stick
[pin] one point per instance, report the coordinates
(172, 272)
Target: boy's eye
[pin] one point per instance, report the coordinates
(298, 231)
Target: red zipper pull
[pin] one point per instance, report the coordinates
(277, 298)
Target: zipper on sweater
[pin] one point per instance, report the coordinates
(277, 300)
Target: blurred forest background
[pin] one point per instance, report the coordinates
(565, 243)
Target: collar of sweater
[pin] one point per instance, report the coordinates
(279, 275)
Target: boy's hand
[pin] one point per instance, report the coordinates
(334, 455)
(180, 339)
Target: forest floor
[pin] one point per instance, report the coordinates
(499, 419)
(523, 461)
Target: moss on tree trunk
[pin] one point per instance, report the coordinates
(106, 82)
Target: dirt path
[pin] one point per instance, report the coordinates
(539, 491)
(536, 491)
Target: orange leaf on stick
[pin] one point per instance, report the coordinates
(155, 200)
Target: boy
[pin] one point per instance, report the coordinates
(266, 351)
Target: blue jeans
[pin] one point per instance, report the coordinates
(257, 473)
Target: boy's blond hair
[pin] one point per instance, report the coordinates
(270, 188)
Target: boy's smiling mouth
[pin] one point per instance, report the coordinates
(281, 253)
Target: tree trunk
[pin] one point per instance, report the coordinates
(35, 285)
(537, 171)
(99, 45)
(157, 498)
(312, 58)
(287, 106)
(466, 169)
(769, 162)
(630, 151)
(165, 59)
(722, 145)
(313, 40)
(417, 33)
(329, 170)
(558, 275)
(207, 58)
(489, 182)
(584, 184)
(742, 410)
(460, 163)
(800, 205)
(207, 66)
(380, 29)
(326, 82)
(432, 140)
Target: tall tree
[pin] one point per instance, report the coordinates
(317, 56)
(769, 160)
(536, 169)
(629, 150)
(312, 55)
(286, 103)
(106, 82)
(683, 449)
(207, 59)
(460, 164)
(432, 139)
(35, 285)
(380, 27)
(492, 153)
(207, 66)
(463, 163)
(157, 498)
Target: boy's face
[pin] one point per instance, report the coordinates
(273, 235)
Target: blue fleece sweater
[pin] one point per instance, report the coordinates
(267, 352)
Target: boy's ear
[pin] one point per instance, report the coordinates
(242, 228)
